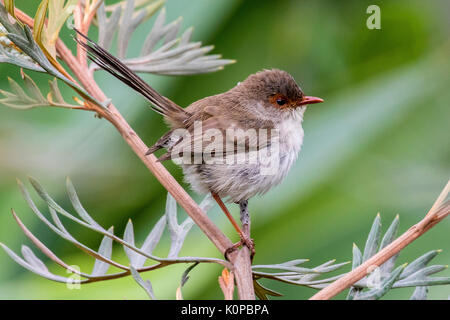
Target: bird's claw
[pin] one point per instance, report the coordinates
(248, 242)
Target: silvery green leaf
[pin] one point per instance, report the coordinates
(298, 270)
(77, 204)
(172, 30)
(171, 213)
(58, 223)
(419, 263)
(105, 249)
(31, 268)
(163, 52)
(391, 233)
(331, 268)
(388, 237)
(151, 241)
(207, 203)
(356, 262)
(130, 20)
(63, 233)
(17, 58)
(20, 99)
(22, 37)
(129, 238)
(428, 281)
(382, 289)
(297, 262)
(146, 285)
(312, 276)
(36, 211)
(373, 239)
(186, 37)
(107, 26)
(156, 34)
(55, 95)
(421, 276)
(352, 293)
(179, 237)
(420, 293)
(178, 232)
(31, 258)
(357, 257)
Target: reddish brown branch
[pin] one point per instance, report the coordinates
(436, 214)
(241, 258)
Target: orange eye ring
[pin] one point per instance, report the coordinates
(279, 101)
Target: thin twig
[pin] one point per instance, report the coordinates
(436, 214)
(240, 258)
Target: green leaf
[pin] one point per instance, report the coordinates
(419, 263)
(32, 268)
(58, 13)
(178, 232)
(31, 258)
(19, 99)
(105, 249)
(39, 21)
(22, 37)
(373, 239)
(76, 203)
(175, 56)
(146, 285)
(420, 293)
(129, 238)
(389, 236)
(357, 257)
(383, 288)
(9, 5)
(151, 241)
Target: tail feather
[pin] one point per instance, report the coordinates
(118, 69)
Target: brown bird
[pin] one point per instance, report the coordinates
(236, 144)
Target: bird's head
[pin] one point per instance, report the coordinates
(275, 89)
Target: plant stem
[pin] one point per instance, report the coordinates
(437, 213)
(240, 258)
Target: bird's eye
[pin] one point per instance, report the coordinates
(281, 101)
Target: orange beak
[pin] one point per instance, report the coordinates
(309, 100)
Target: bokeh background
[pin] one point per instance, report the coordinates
(380, 143)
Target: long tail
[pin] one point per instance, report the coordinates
(118, 69)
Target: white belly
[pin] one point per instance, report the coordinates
(235, 182)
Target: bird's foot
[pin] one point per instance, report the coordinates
(245, 241)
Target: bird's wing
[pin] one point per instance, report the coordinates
(216, 135)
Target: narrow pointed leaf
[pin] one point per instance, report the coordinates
(151, 241)
(146, 285)
(420, 293)
(419, 263)
(105, 249)
(129, 238)
(373, 239)
(31, 258)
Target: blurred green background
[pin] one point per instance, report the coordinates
(380, 143)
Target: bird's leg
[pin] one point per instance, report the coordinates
(244, 238)
(245, 220)
(245, 216)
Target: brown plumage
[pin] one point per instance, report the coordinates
(267, 101)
